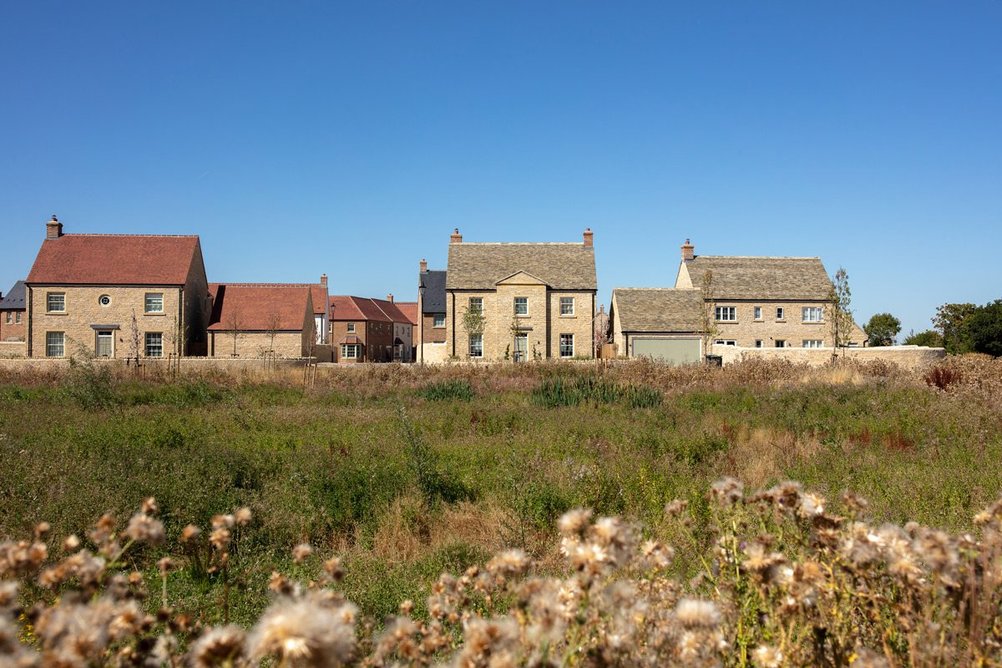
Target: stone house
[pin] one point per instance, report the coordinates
(369, 330)
(262, 319)
(431, 306)
(12, 314)
(763, 302)
(520, 301)
(661, 323)
(116, 295)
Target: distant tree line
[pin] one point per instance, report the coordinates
(962, 328)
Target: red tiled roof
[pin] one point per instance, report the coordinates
(350, 340)
(258, 306)
(409, 309)
(370, 309)
(391, 310)
(114, 259)
(319, 293)
(344, 308)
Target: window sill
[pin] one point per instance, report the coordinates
(155, 315)
(567, 315)
(56, 313)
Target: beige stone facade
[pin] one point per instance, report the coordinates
(780, 324)
(91, 314)
(259, 344)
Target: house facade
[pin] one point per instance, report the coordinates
(763, 302)
(520, 301)
(13, 314)
(116, 295)
(368, 330)
(262, 319)
(431, 332)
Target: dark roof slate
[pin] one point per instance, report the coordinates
(14, 300)
(434, 291)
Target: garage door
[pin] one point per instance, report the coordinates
(672, 351)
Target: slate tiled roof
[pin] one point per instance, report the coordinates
(409, 309)
(765, 278)
(114, 259)
(258, 306)
(562, 266)
(434, 291)
(14, 300)
(659, 309)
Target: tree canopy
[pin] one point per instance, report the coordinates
(882, 329)
(929, 338)
(984, 329)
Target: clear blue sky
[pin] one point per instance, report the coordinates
(350, 138)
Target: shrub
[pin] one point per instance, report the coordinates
(448, 390)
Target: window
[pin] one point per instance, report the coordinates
(476, 305)
(154, 344)
(725, 314)
(813, 343)
(567, 306)
(780, 343)
(476, 345)
(104, 300)
(521, 306)
(351, 328)
(567, 345)
(17, 317)
(758, 343)
(813, 313)
(10, 317)
(55, 302)
(438, 320)
(758, 312)
(349, 351)
(780, 314)
(54, 344)
(725, 342)
(154, 302)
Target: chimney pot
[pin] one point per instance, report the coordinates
(424, 265)
(589, 237)
(53, 228)
(456, 237)
(389, 297)
(688, 251)
(323, 280)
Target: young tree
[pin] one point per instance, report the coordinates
(601, 330)
(951, 323)
(882, 329)
(984, 328)
(710, 328)
(929, 338)
(234, 325)
(840, 317)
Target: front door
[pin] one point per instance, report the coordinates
(521, 346)
(105, 344)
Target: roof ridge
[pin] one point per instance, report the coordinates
(760, 257)
(145, 236)
(265, 285)
(672, 289)
(521, 243)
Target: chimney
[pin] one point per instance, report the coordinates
(53, 228)
(323, 280)
(424, 266)
(589, 238)
(456, 237)
(688, 251)
(389, 297)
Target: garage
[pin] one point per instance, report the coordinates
(669, 350)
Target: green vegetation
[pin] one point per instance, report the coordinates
(881, 329)
(403, 472)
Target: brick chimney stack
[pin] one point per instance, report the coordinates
(456, 237)
(424, 266)
(53, 228)
(389, 297)
(323, 280)
(589, 238)
(688, 251)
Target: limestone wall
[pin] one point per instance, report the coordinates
(907, 357)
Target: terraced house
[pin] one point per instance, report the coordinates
(116, 295)
(520, 301)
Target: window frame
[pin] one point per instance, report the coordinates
(147, 301)
(50, 343)
(9, 317)
(759, 343)
(17, 317)
(521, 301)
(726, 342)
(820, 343)
(780, 313)
(780, 343)
(475, 348)
(757, 313)
(350, 327)
(50, 299)
(566, 301)
(149, 344)
(434, 321)
(561, 346)
(353, 348)
(819, 311)
(725, 310)
(475, 305)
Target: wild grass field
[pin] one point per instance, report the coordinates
(404, 473)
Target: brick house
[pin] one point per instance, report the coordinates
(763, 302)
(661, 323)
(260, 319)
(520, 301)
(116, 295)
(431, 306)
(369, 330)
(12, 314)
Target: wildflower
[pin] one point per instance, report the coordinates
(811, 505)
(305, 632)
(727, 491)
(42, 529)
(696, 613)
(488, 642)
(332, 567)
(222, 646)
(220, 538)
(655, 556)
(301, 552)
(242, 516)
(574, 522)
(509, 563)
(190, 533)
(145, 529)
(676, 507)
(223, 521)
(767, 657)
(149, 506)
(70, 543)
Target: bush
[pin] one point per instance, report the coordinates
(448, 390)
